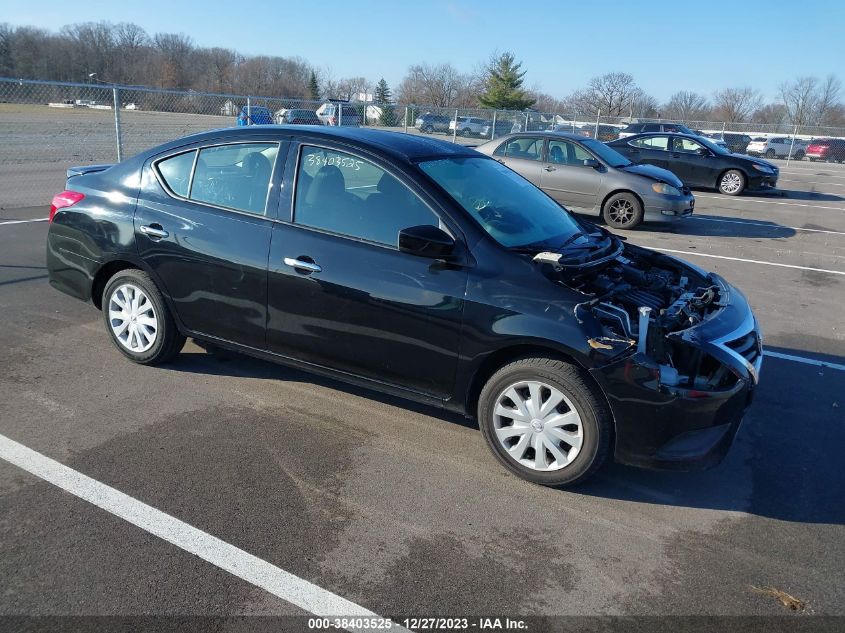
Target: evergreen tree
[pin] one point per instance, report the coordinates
(313, 87)
(382, 100)
(503, 85)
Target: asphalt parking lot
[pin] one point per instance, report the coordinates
(400, 508)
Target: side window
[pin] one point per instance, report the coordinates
(530, 148)
(344, 194)
(651, 127)
(176, 172)
(652, 142)
(687, 145)
(567, 153)
(235, 176)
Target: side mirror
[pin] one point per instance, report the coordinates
(592, 162)
(426, 241)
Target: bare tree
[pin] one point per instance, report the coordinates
(799, 98)
(771, 113)
(686, 106)
(827, 99)
(735, 105)
(438, 86)
(613, 94)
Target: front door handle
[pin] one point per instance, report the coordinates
(154, 231)
(301, 264)
(550, 168)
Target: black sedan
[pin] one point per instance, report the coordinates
(419, 268)
(699, 162)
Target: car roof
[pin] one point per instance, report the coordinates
(567, 135)
(398, 145)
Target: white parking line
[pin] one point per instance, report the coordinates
(791, 204)
(252, 569)
(813, 182)
(749, 261)
(770, 226)
(24, 221)
(806, 361)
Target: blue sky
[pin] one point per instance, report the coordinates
(667, 46)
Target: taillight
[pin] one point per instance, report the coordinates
(63, 200)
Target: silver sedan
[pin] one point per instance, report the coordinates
(586, 176)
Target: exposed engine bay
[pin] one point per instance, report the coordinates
(638, 300)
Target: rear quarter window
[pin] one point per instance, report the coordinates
(175, 172)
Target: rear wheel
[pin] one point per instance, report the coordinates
(466, 132)
(138, 320)
(623, 211)
(545, 421)
(799, 155)
(428, 129)
(770, 153)
(731, 183)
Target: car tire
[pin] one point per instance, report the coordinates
(813, 160)
(623, 211)
(770, 153)
(798, 156)
(731, 183)
(151, 335)
(428, 129)
(466, 132)
(576, 431)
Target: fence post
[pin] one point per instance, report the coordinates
(573, 124)
(116, 96)
(339, 115)
(526, 121)
(493, 132)
(248, 111)
(791, 146)
(455, 130)
(598, 116)
(406, 119)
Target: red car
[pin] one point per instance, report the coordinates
(828, 149)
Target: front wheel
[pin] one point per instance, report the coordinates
(545, 421)
(623, 211)
(138, 320)
(770, 153)
(466, 132)
(732, 182)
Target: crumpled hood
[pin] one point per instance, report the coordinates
(655, 173)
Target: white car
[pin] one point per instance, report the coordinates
(777, 147)
(468, 125)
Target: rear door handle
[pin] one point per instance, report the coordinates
(154, 231)
(550, 168)
(301, 264)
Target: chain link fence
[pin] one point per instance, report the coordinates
(47, 127)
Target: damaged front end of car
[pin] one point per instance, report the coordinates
(676, 350)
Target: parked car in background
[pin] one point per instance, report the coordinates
(737, 143)
(699, 162)
(430, 123)
(644, 128)
(419, 268)
(606, 132)
(338, 113)
(300, 116)
(828, 149)
(468, 125)
(503, 126)
(588, 177)
(255, 115)
(777, 147)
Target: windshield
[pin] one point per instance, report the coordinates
(607, 154)
(718, 149)
(513, 211)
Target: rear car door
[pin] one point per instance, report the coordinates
(341, 294)
(652, 150)
(567, 179)
(523, 154)
(203, 225)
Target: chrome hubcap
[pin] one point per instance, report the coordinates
(538, 425)
(731, 183)
(621, 211)
(132, 318)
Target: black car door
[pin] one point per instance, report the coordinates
(691, 162)
(341, 294)
(203, 224)
(651, 150)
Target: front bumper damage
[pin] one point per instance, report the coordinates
(661, 423)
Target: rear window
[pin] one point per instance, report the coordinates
(176, 172)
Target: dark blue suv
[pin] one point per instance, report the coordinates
(255, 115)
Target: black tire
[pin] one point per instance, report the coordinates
(622, 211)
(813, 160)
(588, 402)
(799, 155)
(466, 132)
(428, 129)
(168, 341)
(727, 180)
(770, 153)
